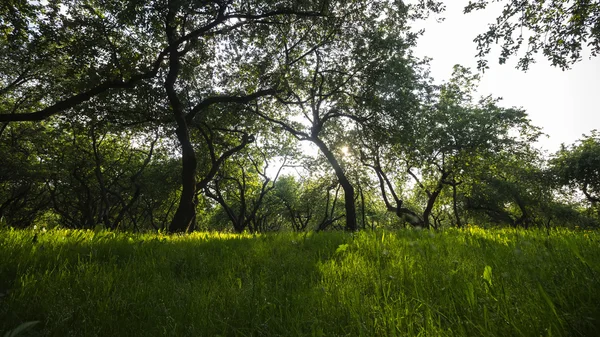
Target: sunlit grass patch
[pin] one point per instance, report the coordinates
(471, 282)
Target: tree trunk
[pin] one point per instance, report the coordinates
(455, 206)
(429, 208)
(404, 214)
(433, 198)
(186, 211)
(104, 204)
(351, 224)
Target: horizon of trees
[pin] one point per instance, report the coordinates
(168, 115)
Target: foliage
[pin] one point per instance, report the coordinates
(169, 115)
(436, 146)
(560, 29)
(579, 165)
(22, 194)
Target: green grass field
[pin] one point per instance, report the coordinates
(470, 282)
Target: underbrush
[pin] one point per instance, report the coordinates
(470, 282)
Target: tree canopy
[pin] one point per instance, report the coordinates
(562, 30)
(181, 115)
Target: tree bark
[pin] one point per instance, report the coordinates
(351, 224)
(433, 198)
(186, 211)
(401, 212)
(362, 207)
(455, 206)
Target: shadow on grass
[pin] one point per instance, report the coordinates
(388, 283)
(88, 284)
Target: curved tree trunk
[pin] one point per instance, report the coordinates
(351, 224)
(429, 207)
(433, 198)
(186, 211)
(184, 217)
(403, 213)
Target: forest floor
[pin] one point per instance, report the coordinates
(470, 282)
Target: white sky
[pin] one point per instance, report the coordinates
(565, 104)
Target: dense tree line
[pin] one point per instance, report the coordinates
(181, 115)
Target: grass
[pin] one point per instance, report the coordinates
(470, 282)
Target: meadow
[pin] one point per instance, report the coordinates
(469, 282)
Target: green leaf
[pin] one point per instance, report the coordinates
(341, 248)
(470, 294)
(487, 274)
(21, 328)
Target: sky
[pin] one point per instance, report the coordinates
(565, 104)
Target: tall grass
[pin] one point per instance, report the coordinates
(469, 282)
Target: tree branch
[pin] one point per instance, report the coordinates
(227, 99)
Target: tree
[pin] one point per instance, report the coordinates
(561, 29)
(159, 192)
(57, 55)
(297, 205)
(94, 175)
(507, 188)
(328, 91)
(457, 131)
(241, 188)
(23, 196)
(104, 52)
(80, 174)
(98, 99)
(578, 166)
(517, 188)
(435, 147)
